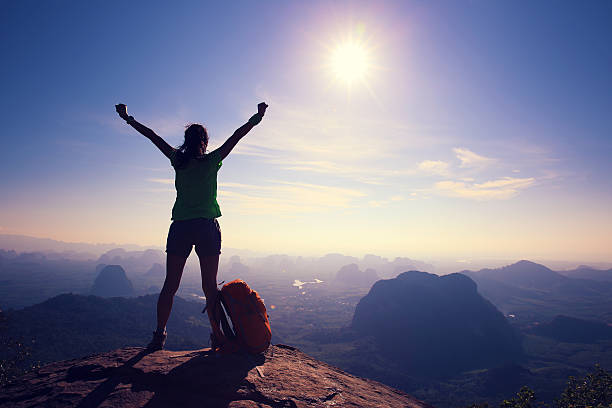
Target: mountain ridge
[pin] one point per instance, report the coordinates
(78, 325)
(522, 274)
(532, 292)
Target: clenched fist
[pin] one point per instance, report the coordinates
(122, 111)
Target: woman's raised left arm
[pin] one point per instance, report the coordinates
(233, 140)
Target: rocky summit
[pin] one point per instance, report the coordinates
(436, 325)
(111, 282)
(131, 377)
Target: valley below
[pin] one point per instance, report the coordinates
(313, 308)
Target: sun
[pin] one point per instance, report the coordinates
(350, 62)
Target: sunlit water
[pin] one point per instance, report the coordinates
(299, 284)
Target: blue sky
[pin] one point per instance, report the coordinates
(482, 128)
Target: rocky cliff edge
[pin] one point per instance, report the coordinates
(131, 377)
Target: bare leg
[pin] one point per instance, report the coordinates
(209, 265)
(174, 272)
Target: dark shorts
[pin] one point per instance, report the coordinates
(204, 233)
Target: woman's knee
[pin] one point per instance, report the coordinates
(170, 288)
(210, 290)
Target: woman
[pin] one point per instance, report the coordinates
(194, 213)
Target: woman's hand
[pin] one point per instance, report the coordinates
(122, 111)
(261, 108)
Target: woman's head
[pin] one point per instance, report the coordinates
(195, 144)
(196, 139)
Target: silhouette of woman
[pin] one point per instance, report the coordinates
(194, 213)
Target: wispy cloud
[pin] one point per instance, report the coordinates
(287, 197)
(470, 159)
(434, 167)
(161, 180)
(506, 182)
(364, 173)
(500, 189)
(319, 141)
(246, 149)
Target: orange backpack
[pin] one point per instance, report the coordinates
(251, 326)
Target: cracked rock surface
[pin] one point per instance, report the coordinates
(131, 377)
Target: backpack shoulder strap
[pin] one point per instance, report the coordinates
(222, 331)
(227, 329)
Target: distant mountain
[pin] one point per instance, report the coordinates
(112, 281)
(523, 274)
(532, 292)
(587, 272)
(370, 276)
(70, 326)
(156, 271)
(99, 268)
(571, 330)
(23, 243)
(434, 325)
(351, 275)
(390, 269)
(235, 270)
(32, 277)
(137, 262)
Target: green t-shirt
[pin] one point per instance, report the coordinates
(196, 187)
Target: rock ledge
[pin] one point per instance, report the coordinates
(131, 377)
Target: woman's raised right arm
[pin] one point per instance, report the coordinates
(161, 144)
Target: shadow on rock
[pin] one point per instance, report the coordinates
(206, 379)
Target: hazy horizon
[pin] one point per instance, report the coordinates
(471, 130)
(439, 264)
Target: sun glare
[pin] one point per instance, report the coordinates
(349, 62)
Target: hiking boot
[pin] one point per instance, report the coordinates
(158, 341)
